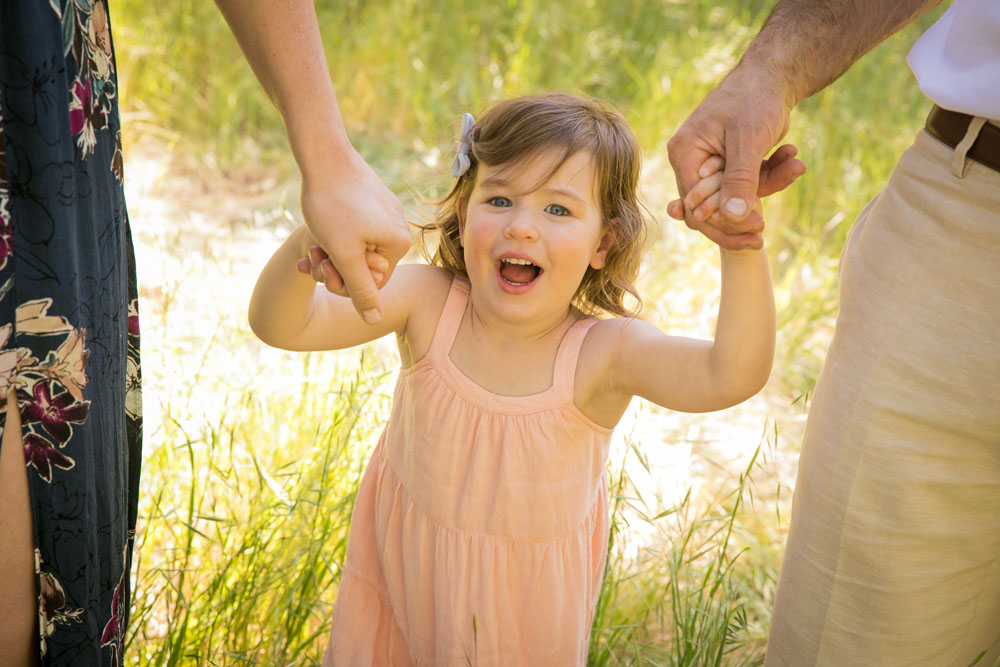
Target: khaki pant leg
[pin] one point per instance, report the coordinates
(893, 554)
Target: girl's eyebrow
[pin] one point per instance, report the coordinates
(494, 182)
(566, 192)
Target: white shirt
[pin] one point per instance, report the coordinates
(957, 61)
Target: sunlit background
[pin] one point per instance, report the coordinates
(252, 455)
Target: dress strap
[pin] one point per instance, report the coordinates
(564, 372)
(451, 318)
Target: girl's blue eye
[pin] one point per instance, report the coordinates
(556, 209)
(499, 202)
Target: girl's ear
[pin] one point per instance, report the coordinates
(600, 256)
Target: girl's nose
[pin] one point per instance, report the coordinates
(521, 226)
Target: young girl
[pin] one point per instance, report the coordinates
(481, 523)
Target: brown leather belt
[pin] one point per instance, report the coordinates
(949, 127)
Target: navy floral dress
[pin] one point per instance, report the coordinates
(69, 334)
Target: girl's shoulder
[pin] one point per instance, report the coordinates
(416, 278)
(611, 332)
(607, 337)
(612, 341)
(426, 290)
(595, 393)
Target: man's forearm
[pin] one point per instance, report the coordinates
(807, 44)
(282, 43)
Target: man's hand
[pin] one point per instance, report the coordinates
(741, 120)
(359, 224)
(799, 50)
(702, 199)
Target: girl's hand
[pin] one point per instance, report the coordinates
(702, 200)
(317, 264)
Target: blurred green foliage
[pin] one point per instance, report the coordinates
(406, 69)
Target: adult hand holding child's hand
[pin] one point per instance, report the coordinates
(359, 226)
(702, 200)
(740, 121)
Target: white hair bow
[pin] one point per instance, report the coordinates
(462, 162)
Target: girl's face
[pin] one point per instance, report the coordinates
(528, 240)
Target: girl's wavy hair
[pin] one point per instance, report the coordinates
(515, 130)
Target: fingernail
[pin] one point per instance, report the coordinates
(371, 316)
(736, 206)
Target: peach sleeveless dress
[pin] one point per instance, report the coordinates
(480, 528)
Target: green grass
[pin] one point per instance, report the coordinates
(245, 509)
(244, 530)
(696, 595)
(245, 526)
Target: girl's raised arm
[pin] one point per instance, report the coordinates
(704, 375)
(290, 310)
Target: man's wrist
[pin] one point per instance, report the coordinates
(318, 137)
(319, 152)
(769, 78)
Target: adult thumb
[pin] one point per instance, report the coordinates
(739, 183)
(361, 287)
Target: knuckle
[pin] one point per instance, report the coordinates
(364, 293)
(738, 175)
(674, 143)
(402, 238)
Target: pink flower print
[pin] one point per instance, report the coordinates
(6, 230)
(114, 629)
(82, 115)
(133, 317)
(40, 453)
(55, 413)
(6, 238)
(80, 106)
(111, 633)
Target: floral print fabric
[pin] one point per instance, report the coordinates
(69, 335)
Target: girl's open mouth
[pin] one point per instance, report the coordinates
(518, 272)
